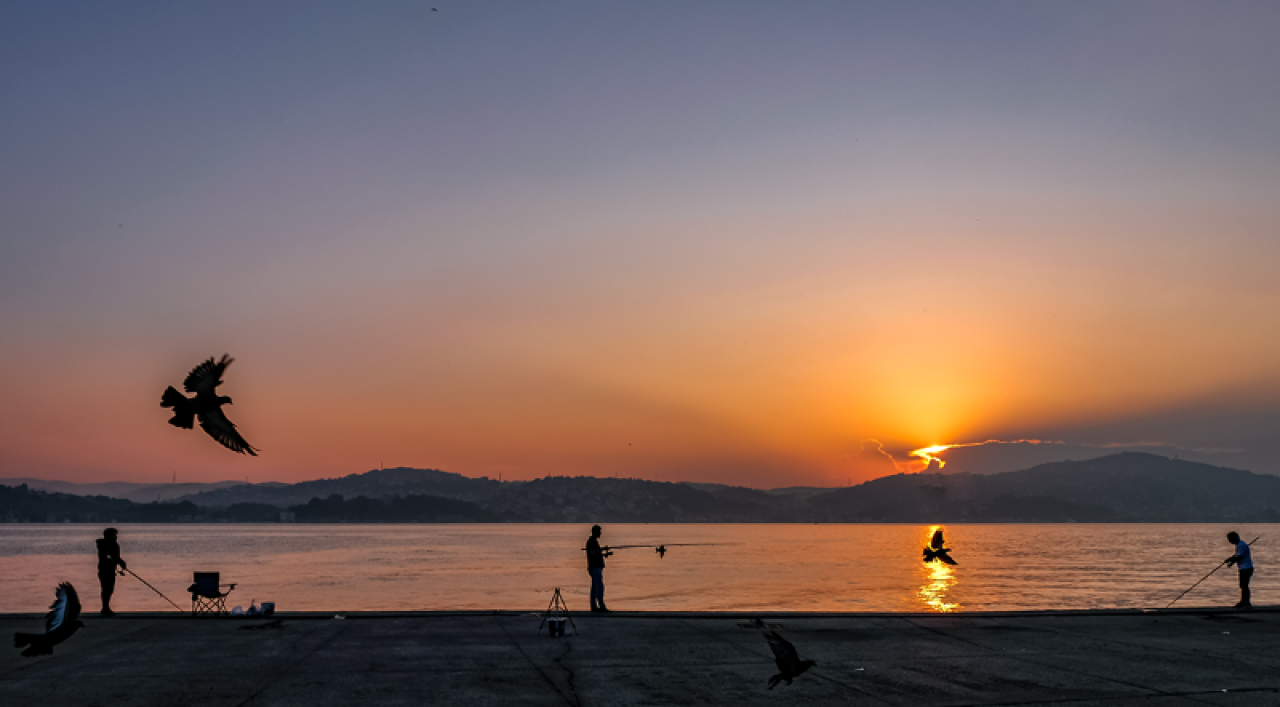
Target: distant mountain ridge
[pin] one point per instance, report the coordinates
(1126, 487)
(378, 483)
(138, 493)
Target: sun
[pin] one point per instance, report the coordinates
(929, 454)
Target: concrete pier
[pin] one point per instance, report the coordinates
(1153, 659)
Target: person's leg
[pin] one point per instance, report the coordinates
(1245, 576)
(108, 582)
(597, 588)
(600, 575)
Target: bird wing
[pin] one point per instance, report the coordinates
(220, 428)
(207, 376)
(783, 652)
(937, 541)
(64, 609)
(73, 604)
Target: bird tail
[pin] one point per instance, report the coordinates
(773, 681)
(23, 639)
(172, 398)
(182, 415)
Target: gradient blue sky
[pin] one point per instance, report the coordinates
(706, 241)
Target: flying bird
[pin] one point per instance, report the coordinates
(63, 620)
(788, 660)
(206, 405)
(937, 549)
(661, 550)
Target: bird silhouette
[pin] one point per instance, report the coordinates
(661, 550)
(206, 405)
(63, 620)
(788, 660)
(937, 549)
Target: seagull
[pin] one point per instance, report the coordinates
(788, 660)
(206, 405)
(937, 549)
(63, 620)
(661, 550)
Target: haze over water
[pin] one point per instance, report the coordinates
(755, 567)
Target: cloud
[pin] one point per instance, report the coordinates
(873, 460)
(998, 456)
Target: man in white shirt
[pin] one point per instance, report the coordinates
(1243, 560)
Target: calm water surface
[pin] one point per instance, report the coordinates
(741, 567)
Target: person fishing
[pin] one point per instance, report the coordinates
(595, 568)
(108, 559)
(1243, 560)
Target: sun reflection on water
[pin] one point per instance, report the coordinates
(939, 578)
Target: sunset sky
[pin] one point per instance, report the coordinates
(764, 244)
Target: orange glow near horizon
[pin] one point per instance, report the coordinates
(515, 267)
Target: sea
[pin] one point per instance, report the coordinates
(707, 567)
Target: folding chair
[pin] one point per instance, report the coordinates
(207, 596)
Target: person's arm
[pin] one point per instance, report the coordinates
(1236, 557)
(115, 556)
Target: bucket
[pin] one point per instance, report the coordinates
(555, 627)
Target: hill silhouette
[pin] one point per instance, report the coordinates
(21, 504)
(1126, 487)
(378, 483)
(589, 499)
(138, 493)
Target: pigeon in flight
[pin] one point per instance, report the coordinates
(63, 620)
(938, 550)
(206, 405)
(788, 660)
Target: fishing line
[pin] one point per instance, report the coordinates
(157, 591)
(628, 547)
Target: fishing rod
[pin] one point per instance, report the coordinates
(1215, 569)
(628, 547)
(157, 591)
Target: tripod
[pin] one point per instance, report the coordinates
(557, 610)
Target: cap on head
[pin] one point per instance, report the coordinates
(596, 529)
(110, 533)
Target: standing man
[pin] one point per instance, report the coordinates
(595, 568)
(108, 558)
(1243, 560)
